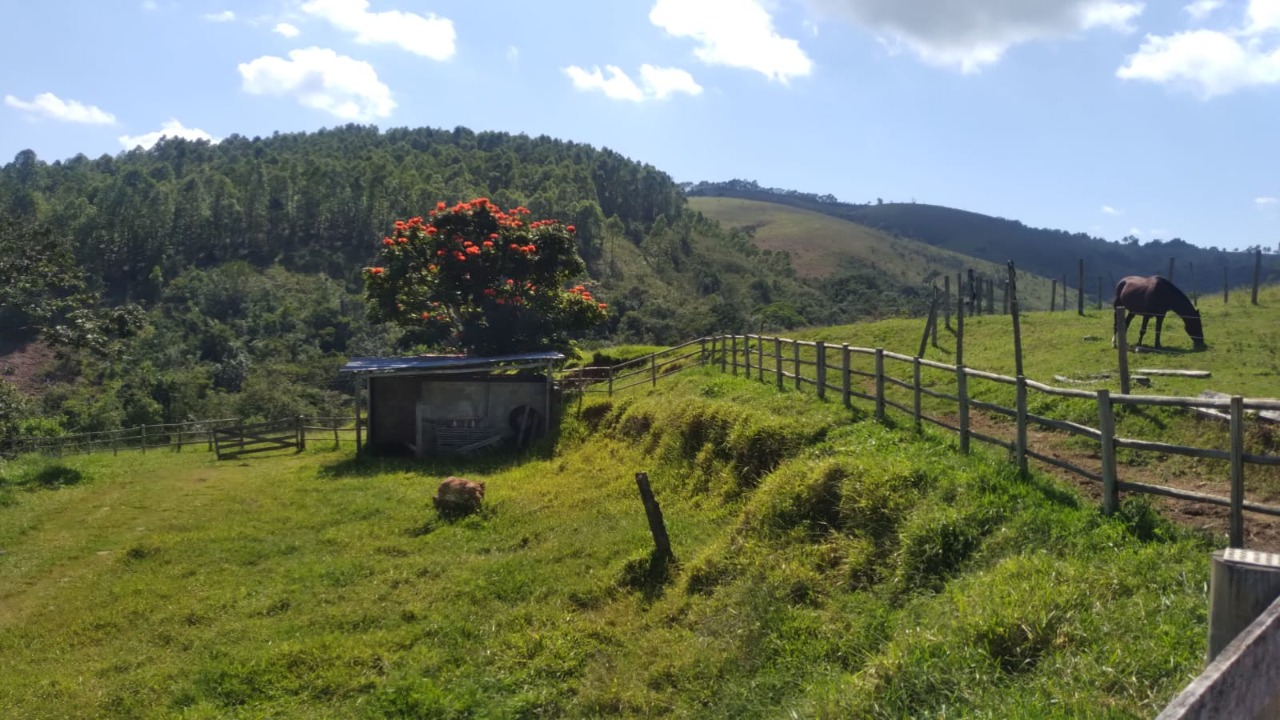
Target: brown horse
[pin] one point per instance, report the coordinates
(1153, 297)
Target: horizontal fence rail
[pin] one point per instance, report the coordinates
(177, 437)
(847, 372)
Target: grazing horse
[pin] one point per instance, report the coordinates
(1153, 297)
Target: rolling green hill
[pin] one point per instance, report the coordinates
(824, 246)
(1038, 250)
(827, 567)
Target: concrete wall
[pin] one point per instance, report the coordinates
(397, 404)
(392, 410)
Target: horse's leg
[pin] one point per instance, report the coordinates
(1142, 333)
(1159, 324)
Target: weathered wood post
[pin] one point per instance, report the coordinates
(653, 368)
(1017, 321)
(777, 359)
(746, 355)
(1053, 297)
(1107, 440)
(1020, 445)
(302, 433)
(724, 357)
(702, 350)
(933, 317)
(846, 375)
(144, 439)
(1242, 585)
(795, 360)
(360, 420)
(1080, 290)
(930, 323)
(946, 294)
(880, 384)
(915, 387)
(1122, 348)
(759, 356)
(734, 355)
(962, 394)
(1236, 539)
(1257, 274)
(960, 334)
(653, 513)
(822, 370)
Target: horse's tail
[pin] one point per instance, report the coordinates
(1115, 302)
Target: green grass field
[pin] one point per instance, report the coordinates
(827, 567)
(821, 245)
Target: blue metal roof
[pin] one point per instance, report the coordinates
(429, 363)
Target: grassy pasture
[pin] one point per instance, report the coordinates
(821, 245)
(828, 567)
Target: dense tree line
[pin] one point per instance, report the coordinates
(199, 279)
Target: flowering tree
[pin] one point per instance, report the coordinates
(474, 278)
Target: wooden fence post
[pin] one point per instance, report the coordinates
(915, 386)
(733, 354)
(962, 394)
(1257, 274)
(1017, 321)
(777, 359)
(360, 420)
(946, 303)
(1080, 290)
(1122, 347)
(959, 333)
(880, 384)
(845, 375)
(1107, 432)
(795, 361)
(746, 355)
(653, 513)
(931, 321)
(302, 433)
(1053, 297)
(760, 357)
(1020, 446)
(991, 296)
(933, 317)
(702, 350)
(653, 368)
(822, 370)
(1236, 539)
(724, 356)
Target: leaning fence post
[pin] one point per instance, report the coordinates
(845, 375)
(777, 359)
(1107, 439)
(1237, 472)
(880, 384)
(653, 513)
(653, 368)
(822, 370)
(915, 386)
(1020, 447)
(962, 394)
(1012, 285)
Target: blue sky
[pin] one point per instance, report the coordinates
(1111, 117)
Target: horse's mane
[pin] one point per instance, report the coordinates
(1187, 307)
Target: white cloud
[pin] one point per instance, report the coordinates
(972, 34)
(1201, 9)
(429, 36)
(1136, 232)
(735, 33)
(1213, 62)
(513, 53)
(224, 16)
(1264, 201)
(171, 128)
(656, 83)
(287, 30)
(55, 108)
(1108, 210)
(1207, 62)
(322, 79)
(149, 5)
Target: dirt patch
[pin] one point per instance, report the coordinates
(1261, 532)
(23, 365)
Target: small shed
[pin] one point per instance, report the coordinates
(435, 404)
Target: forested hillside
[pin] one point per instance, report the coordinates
(1037, 250)
(197, 279)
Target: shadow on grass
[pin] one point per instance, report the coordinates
(649, 575)
(52, 477)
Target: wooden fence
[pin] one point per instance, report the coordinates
(830, 369)
(174, 437)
